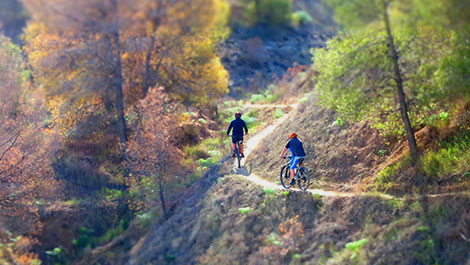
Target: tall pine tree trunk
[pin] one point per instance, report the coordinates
(399, 81)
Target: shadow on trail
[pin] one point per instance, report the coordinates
(244, 170)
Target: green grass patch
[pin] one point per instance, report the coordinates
(355, 245)
(269, 191)
(279, 113)
(305, 98)
(256, 98)
(112, 194)
(451, 158)
(387, 177)
(112, 233)
(244, 210)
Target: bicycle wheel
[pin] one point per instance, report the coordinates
(303, 178)
(239, 158)
(285, 176)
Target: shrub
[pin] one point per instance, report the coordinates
(270, 12)
(279, 113)
(301, 18)
(257, 98)
(196, 152)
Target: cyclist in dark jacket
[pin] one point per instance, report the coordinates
(237, 125)
(298, 154)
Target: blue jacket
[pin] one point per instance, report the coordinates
(295, 146)
(238, 125)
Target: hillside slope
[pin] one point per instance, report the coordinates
(241, 223)
(336, 153)
(238, 222)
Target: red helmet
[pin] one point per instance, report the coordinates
(293, 135)
(238, 115)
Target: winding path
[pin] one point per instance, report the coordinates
(255, 140)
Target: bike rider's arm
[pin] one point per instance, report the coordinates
(283, 152)
(246, 128)
(230, 128)
(285, 149)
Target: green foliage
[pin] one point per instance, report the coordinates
(452, 157)
(257, 98)
(355, 76)
(74, 202)
(251, 120)
(273, 239)
(112, 194)
(305, 98)
(382, 152)
(58, 255)
(279, 113)
(355, 245)
(269, 191)
(112, 233)
(84, 239)
(439, 120)
(275, 13)
(301, 17)
(356, 13)
(355, 70)
(388, 177)
(244, 210)
(145, 219)
(170, 257)
(267, 97)
(206, 154)
(196, 152)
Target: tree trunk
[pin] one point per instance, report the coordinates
(162, 195)
(401, 93)
(148, 61)
(118, 80)
(120, 95)
(257, 9)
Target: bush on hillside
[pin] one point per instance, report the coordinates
(269, 12)
(301, 17)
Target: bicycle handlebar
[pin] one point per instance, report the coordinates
(285, 157)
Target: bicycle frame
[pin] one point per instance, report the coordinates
(295, 170)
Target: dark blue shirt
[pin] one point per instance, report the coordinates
(238, 125)
(295, 146)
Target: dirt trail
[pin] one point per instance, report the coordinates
(255, 140)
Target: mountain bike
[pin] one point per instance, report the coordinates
(302, 175)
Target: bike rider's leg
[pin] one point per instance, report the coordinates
(241, 148)
(292, 167)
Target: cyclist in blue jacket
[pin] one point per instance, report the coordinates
(237, 125)
(298, 154)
